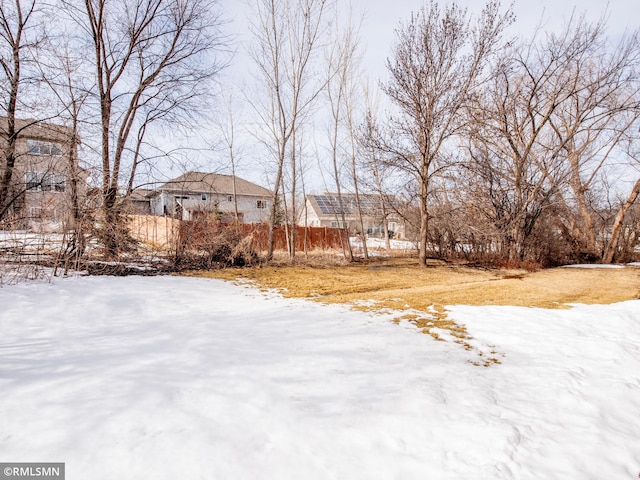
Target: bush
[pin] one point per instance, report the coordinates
(207, 243)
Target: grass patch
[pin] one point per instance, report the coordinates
(400, 284)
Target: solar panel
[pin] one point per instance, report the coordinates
(330, 204)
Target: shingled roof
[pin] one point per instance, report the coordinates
(201, 182)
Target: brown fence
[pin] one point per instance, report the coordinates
(163, 232)
(198, 235)
(309, 238)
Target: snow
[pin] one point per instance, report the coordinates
(594, 265)
(170, 377)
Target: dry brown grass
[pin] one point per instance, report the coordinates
(423, 293)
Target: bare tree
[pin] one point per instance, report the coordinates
(555, 111)
(375, 169)
(508, 152)
(226, 126)
(60, 71)
(592, 121)
(349, 75)
(438, 61)
(616, 230)
(341, 69)
(20, 36)
(612, 246)
(151, 58)
(287, 37)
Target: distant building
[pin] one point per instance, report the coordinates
(196, 193)
(325, 211)
(40, 194)
(139, 201)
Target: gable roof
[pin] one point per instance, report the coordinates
(201, 182)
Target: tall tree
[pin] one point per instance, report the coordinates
(590, 124)
(150, 58)
(287, 36)
(542, 130)
(60, 71)
(341, 86)
(438, 62)
(20, 36)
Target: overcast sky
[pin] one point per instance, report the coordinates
(381, 18)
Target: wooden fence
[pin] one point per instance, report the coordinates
(161, 232)
(309, 238)
(164, 232)
(197, 235)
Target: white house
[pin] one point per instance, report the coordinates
(195, 193)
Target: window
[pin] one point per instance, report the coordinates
(33, 180)
(261, 204)
(375, 229)
(54, 183)
(203, 197)
(45, 182)
(38, 147)
(340, 224)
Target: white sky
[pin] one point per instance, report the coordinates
(384, 16)
(381, 17)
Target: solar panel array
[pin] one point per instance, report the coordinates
(330, 204)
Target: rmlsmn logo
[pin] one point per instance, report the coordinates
(26, 471)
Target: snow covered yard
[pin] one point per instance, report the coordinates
(172, 377)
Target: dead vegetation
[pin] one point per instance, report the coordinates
(401, 283)
(420, 295)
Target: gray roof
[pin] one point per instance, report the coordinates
(201, 182)
(141, 194)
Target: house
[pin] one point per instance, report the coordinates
(196, 193)
(41, 195)
(325, 211)
(138, 201)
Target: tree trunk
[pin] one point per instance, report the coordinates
(587, 232)
(424, 224)
(274, 208)
(616, 230)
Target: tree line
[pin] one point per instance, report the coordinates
(516, 146)
(492, 147)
